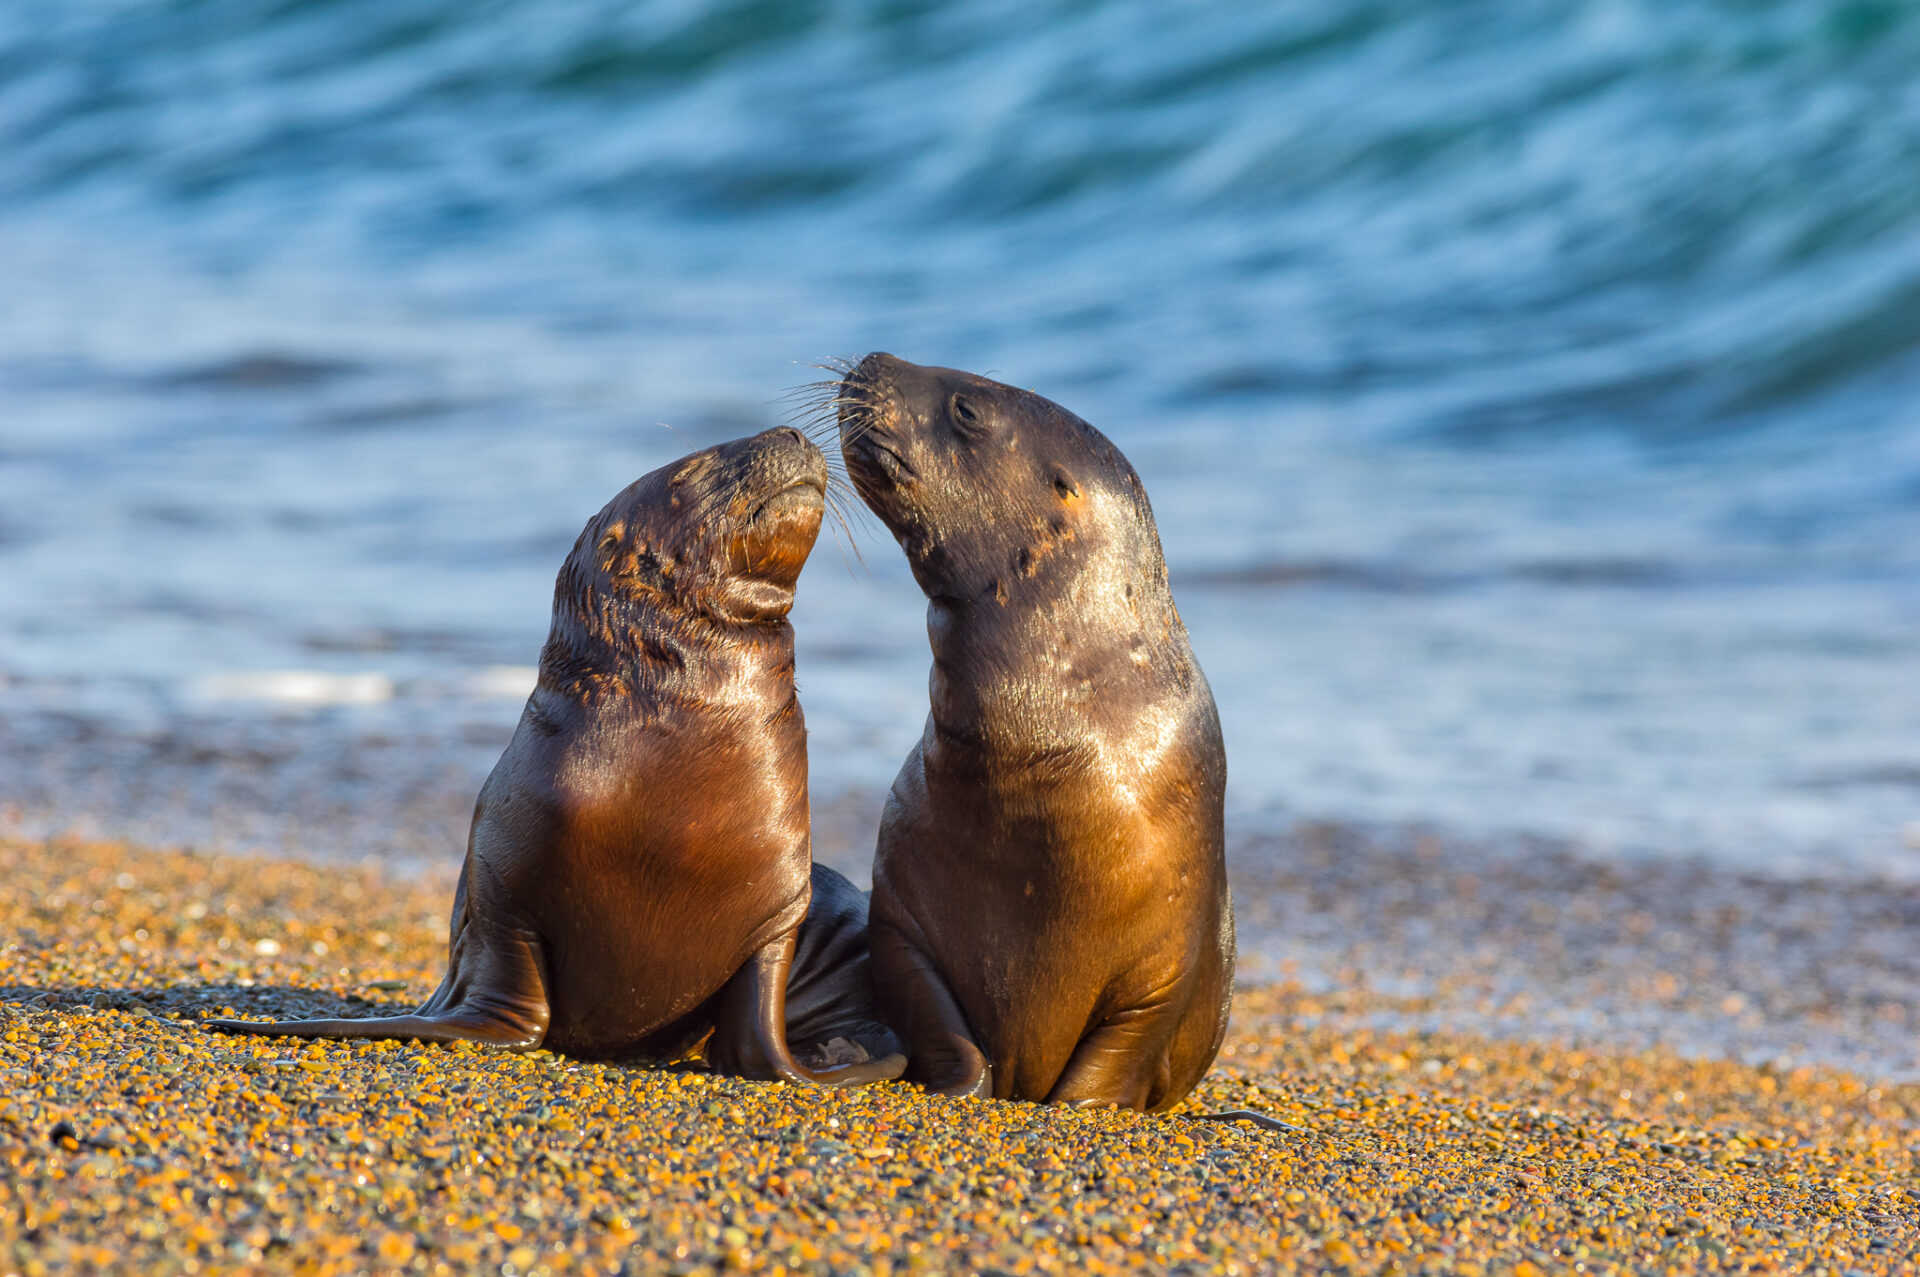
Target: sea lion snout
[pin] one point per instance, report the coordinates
(871, 420)
(779, 483)
(887, 397)
(788, 469)
(761, 467)
(882, 369)
(725, 530)
(913, 437)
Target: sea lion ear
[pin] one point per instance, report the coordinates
(1064, 487)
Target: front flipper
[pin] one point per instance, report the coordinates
(494, 994)
(750, 1030)
(941, 1051)
(1122, 1063)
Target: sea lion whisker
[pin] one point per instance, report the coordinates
(836, 394)
(840, 483)
(840, 385)
(842, 392)
(816, 390)
(860, 430)
(823, 432)
(807, 388)
(843, 538)
(836, 503)
(831, 387)
(855, 414)
(851, 500)
(817, 402)
(820, 422)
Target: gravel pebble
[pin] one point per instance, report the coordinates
(133, 1140)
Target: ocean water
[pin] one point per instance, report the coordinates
(1529, 392)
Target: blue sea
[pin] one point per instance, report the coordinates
(1528, 391)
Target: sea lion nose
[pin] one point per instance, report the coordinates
(786, 449)
(879, 364)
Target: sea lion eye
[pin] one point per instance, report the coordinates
(967, 417)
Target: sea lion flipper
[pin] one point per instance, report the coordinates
(425, 1028)
(494, 994)
(941, 1051)
(832, 1016)
(865, 1052)
(1122, 1061)
(750, 1028)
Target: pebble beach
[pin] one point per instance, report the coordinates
(1529, 395)
(136, 1141)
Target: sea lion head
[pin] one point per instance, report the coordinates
(719, 535)
(992, 491)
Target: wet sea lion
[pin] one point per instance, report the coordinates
(1050, 910)
(639, 864)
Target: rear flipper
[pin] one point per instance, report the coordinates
(494, 994)
(868, 1043)
(833, 1020)
(421, 1026)
(750, 1029)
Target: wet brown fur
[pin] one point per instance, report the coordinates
(1050, 909)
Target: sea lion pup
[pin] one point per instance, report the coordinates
(639, 864)
(1050, 913)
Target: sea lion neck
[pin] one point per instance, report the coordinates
(627, 647)
(1003, 670)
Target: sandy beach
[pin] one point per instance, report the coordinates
(1450, 1125)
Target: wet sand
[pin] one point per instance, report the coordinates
(1531, 941)
(136, 1140)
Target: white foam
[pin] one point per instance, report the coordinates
(503, 682)
(293, 687)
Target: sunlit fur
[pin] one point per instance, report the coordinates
(1051, 854)
(639, 864)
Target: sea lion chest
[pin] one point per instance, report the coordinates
(650, 858)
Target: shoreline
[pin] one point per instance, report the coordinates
(135, 1139)
(1524, 939)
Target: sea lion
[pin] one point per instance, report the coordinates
(1050, 910)
(640, 864)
